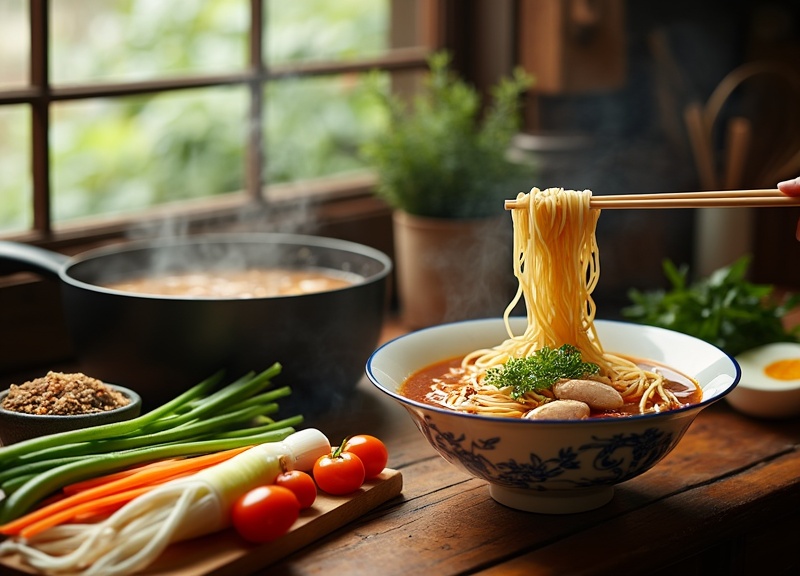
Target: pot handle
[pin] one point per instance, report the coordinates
(19, 257)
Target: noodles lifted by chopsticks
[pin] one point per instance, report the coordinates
(556, 261)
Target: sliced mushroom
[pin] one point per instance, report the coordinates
(596, 394)
(560, 410)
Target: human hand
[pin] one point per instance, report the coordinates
(791, 188)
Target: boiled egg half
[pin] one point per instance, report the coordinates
(770, 382)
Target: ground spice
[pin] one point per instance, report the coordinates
(63, 394)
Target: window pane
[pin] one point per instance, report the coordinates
(315, 126)
(114, 156)
(15, 40)
(137, 39)
(325, 30)
(16, 196)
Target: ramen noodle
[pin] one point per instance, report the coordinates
(556, 263)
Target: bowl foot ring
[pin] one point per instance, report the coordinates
(553, 501)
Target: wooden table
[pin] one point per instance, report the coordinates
(725, 501)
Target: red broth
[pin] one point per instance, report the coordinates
(417, 386)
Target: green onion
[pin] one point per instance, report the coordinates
(285, 423)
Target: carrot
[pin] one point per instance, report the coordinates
(76, 487)
(142, 478)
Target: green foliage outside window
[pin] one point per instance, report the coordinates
(110, 156)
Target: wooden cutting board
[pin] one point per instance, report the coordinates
(226, 553)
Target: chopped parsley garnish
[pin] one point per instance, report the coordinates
(540, 370)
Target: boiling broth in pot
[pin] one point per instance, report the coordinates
(252, 283)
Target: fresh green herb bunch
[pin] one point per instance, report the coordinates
(540, 370)
(724, 309)
(441, 156)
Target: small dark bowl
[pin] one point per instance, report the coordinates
(19, 426)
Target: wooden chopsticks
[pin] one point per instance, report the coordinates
(711, 199)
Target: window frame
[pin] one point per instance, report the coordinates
(40, 95)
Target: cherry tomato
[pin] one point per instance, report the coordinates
(265, 513)
(339, 473)
(302, 484)
(371, 451)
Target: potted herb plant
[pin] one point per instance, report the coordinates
(442, 165)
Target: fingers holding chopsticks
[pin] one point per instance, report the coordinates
(791, 188)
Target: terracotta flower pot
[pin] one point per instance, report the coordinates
(452, 269)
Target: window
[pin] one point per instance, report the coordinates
(113, 110)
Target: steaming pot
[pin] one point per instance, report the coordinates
(162, 345)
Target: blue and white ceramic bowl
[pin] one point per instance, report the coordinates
(555, 466)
